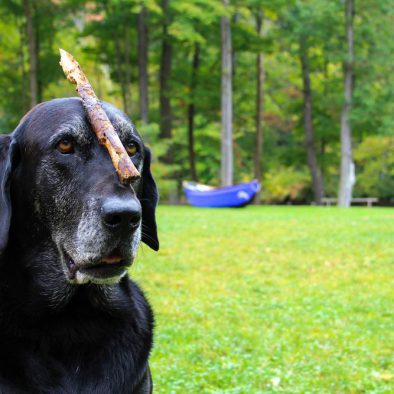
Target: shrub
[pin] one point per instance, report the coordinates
(286, 183)
(374, 159)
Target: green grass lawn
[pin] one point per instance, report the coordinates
(272, 299)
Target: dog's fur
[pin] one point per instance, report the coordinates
(68, 322)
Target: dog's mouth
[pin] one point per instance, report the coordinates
(109, 269)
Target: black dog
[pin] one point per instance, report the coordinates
(71, 321)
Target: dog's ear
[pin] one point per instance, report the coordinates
(7, 157)
(149, 198)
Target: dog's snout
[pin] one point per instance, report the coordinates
(120, 214)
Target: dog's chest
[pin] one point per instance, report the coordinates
(98, 343)
(42, 367)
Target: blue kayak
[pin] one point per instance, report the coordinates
(239, 195)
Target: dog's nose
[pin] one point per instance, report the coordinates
(121, 214)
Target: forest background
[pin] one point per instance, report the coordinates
(160, 61)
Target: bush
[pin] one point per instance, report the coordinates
(286, 183)
(374, 159)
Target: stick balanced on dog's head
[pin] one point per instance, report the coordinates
(98, 119)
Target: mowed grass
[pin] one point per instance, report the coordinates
(272, 299)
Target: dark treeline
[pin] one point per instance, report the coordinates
(312, 85)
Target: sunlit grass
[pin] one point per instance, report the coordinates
(272, 299)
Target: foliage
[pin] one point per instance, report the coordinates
(374, 159)
(271, 299)
(103, 36)
(286, 184)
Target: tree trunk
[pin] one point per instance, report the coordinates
(118, 67)
(317, 181)
(127, 68)
(347, 175)
(226, 103)
(24, 78)
(121, 59)
(235, 20)
(191, 112)
(260, 74)
(33, 55)
(143, 81)
(165, 74)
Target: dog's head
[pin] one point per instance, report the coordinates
(59, 189)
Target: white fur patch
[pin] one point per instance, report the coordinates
(82, 278)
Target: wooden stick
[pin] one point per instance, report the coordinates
(101, 125)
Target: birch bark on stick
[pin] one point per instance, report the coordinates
(98, 119)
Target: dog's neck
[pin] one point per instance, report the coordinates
(64, 309)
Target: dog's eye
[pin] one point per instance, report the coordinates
(65, 146)
(131, 148)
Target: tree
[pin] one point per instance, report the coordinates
(14, 78)
(165, 75)
(227, 109)
(347, 174)
(112, 18)
(33, 53)
(260, 75)
(121, 36)
(317, 180)
(194, 37)
(310, 26)
(142, 57)
(191, 112)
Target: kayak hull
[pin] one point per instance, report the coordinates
(231, 196)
